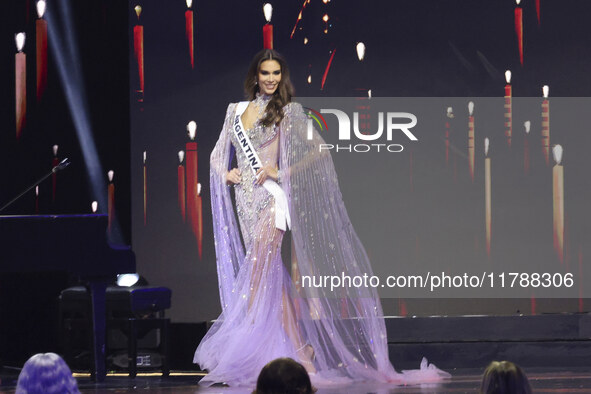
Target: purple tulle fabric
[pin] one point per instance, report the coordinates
(265, 313)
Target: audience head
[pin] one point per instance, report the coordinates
(46, 373)
(284, 376)
(504, 377)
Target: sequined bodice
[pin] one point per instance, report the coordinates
(259, 135)
(252, 199)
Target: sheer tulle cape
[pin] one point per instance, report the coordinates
(345, 327)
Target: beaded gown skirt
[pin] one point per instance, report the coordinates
(342, 338)
(260, 325)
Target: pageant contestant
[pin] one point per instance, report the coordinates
(282, 180)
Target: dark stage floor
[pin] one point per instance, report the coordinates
(463, 381)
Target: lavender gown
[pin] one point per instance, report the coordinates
(264, 314)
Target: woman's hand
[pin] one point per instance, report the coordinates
(233, 176)
(264, 173)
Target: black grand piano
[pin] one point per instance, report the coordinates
(75, 244)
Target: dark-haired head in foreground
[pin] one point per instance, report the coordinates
(504, 377)
(46, 373)
(283, 376)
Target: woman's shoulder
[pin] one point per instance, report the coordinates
(231, 107)
(231, 110)
(293, 108)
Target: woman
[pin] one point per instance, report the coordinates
(337, 337)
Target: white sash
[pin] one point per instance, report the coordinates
(282, 218)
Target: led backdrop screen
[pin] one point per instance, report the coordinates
(445, 203)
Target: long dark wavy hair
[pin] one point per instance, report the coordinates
(283, 93)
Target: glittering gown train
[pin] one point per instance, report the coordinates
(340, 335)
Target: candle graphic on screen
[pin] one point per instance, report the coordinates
(268, 27)
(192, 177)
(41, 29)
(110, 201)
(449, 115)
(410, 166)
(546, 124)
(189, 32)
(581, 280)
(94, 206)
(145, 189)
(471, 139)
(558, 201)
(181, 185)
(527, 126)
(360, 48)
(138, 50)
(508, 109)
(199, 222)
(54, 163)
(519, 29)
(37, 199)
(20, 68)
(487, 196)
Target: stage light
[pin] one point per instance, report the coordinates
(68, 61)
(127, 280)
